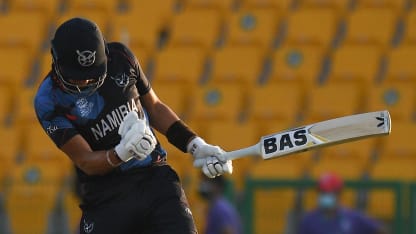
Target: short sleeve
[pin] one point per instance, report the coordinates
(52, 120)
(142, 84)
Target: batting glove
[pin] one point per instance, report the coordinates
(210, 158)
(137, 140)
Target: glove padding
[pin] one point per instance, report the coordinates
(209, 157)
(129, 120)
(137, 140)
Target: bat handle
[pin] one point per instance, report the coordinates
(231, 155)
(249, 151)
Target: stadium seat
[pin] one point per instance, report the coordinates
(374, 26)
(360, 153)
(409, 33)
(331, 101)
(237, 64)
(109, 7)
(392, 169)
(400, 67)
(275, 102)
(38, 147)
(159, 10)
(347, 169)
(72, 211)
(340, 6)
(400, 142)
(312, 27)
(5, 104)
(45, 66)
(253, 27)
(233, 136)
(273, 207)
(97, 16)
(196, 27)
(175, 95)
(46, 7)
(38, 174)
(23, 111)
(179, 65)
(302, 64)
(217, 102)
(13, 76)
(23, 29)
(29, 208)
(398, 98)
(223, 6)
(398, 6)
(282, 199)
(32, 196)
(359, 64)
(281, 7)
(9, 137)
(130, 29)
(143, 55)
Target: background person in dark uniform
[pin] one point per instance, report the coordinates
(99, 108)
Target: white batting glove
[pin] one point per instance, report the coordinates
(209, 157)
(129, 120)
(137, 140)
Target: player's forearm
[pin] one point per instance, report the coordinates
(162, 117)
(89, 161)
(98, 162)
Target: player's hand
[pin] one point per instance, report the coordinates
(129, 120)
(137, 140)
(209, 158)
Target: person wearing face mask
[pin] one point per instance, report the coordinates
(330, 217)
(222, 217)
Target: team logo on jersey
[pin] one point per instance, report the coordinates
(123, 79)
(88, 227)
(86, 58)
(84, 106)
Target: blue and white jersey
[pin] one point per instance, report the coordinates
(97, 117)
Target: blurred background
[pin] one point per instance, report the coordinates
(234, 70)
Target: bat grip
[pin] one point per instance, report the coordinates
(231, 155)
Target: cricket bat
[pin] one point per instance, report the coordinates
(321, 134)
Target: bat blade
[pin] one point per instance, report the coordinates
(321, 134)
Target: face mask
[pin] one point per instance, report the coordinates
(327, 200)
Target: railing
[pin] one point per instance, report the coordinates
(397, 187)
